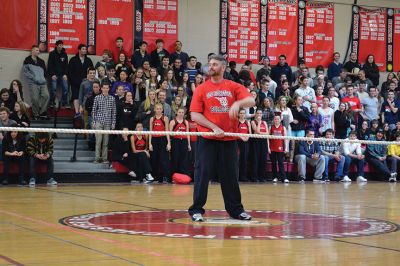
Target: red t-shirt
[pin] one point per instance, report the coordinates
(354, 102)
(277, 145)
(213, 100)
(319, 100)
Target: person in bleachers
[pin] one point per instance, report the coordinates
(342, 122)
(5, 121)
(353, 152)
(139, 86)
(140, 55)
(264, 71)
(101, 73)
(331, 152)
(327, 116)
(181, 92)
(14, 152)
(352, 66)
(277, 149)
(376, 155)
(77, 71)
(394, 158)
(264, 90)
(158, 53)
(162, 97)
(123, 65)
(390, 110)
(179, 70)
(106, 60)
(176, 104)
(192, 70)
(172, 85)
(146, 109)
(34, 69)
(86, 88)
(40, 150)
(124, 82)
(119, 48)
(309, 152)
(111, 78)
(314, 121)
(20, 115)
(282, 68)
(267, 108)
(371, 70)
(244, 127)
(307, 93)
(179, 54)
(160, 145)
(88, 109)
(141, 155)
(104, 118)
(121, 153)
(335, 67)
(164, 67)
(16, 91)
(361, 77)
(129, 112)
(180, 144)
(146, 69)
(396, 130)
(6, 100)
(371, 106)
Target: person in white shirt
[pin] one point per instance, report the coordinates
(353, 153)
(307, 93)
(334, 100)
(327, 115)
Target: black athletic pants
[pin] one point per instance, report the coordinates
(278, 157)
(243, 159)
(179, 155)
(160, 159)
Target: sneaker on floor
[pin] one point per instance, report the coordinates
(244, 216)
(77, 115)
(286, 181)
(361, 179)
(105, 162)
(132, 174)
(275, 180)
(52, 182)
(301, 179)
(318, 181)
(134, 181)
(5, 182)
(326, 179)
(32, 182)
(149, 177)
(393, 175)
(197, 217)
(345, 179)
(392, 179)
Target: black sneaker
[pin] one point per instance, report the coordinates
(244, 216)
(197, 217)
(301, 179)
(5, 182)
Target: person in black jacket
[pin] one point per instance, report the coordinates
(129, 111)
(57, 67)
(371, 70)
(300, 117)
(158, 54)
(14, 152)
(281, 68)
(342, 122)
(20, 115)
(77, 70)
(121, 153)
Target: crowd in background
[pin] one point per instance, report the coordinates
(152, 90)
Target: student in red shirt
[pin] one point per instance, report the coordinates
(277, 149)
(180, 144)
(353, 100)
(160, 145)
(260, 148)
(243, 143)
(215, 107)
(141, 155)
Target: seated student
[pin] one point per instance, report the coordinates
(394, 158)
(331, 152)
(40, 150)
(277, 149)
(160, 145)
(309, 152)
(5, 121)
(141, 155)
(14, 152)
(353, 152)
(376, 156)
(180, 144)
(20, 115)
(121, 152)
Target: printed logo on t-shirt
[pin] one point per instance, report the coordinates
(221, 96)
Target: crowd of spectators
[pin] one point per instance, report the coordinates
(152, 90)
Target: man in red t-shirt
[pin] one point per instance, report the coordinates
(353, 100)
(215, 107)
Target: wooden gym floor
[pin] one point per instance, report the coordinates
(121, 224)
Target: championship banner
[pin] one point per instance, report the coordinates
(17, 25)
(65, 20)
(396, 40)
(282, 30)
(156, 19)
(240, 30)
(319, 34)
(114, 19)
(370, 26)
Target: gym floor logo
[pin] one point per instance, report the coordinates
(265, 225)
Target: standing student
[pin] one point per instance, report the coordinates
(141, 155)
(160, 145)
(180, 144)
(260, 147)
(277, 149)
(244, 127)
(215, 106)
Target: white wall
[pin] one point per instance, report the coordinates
(198, 30)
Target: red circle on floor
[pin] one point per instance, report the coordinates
(265, 225)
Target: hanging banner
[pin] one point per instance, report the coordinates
(240, 30)
(156, 19)
(17, 25)
(370, 26)
(114, 19)
(64, 20)
(396, 40)
(319, 34)
(282, 30)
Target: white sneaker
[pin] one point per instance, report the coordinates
(393, 177)
(32, 182)
(149, 177)
(345, 179)
(286, 180)
(132, 174)
(275, 180)
(52, 182)
(197, 217)
(361, 179)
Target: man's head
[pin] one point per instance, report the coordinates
(120, 91)
(82, 50)
(106, 55)
(353, 56)
(105, 87)
(264, 84)
(42, 136)
(192, 61)
(143, 46)
(35, 50)
(162, 96)
(178, 46)
(336, 56)
(329, 133)
(165, 61)
(310, 133)
(303, 81)
(4, 113)
(361, 74)
(217, 66)
(177, 63)
(160, 43)
(282, 59)
(372, 92)
(96, 87)
(119, 42)
(379, 134)
(350, 90)
(353, 135)
(91, 73)
(59, 45)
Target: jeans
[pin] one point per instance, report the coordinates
(302, 162)
(393, 162)
(64, 90)
(360, 165)
(340, 165)
(379, 165)
(32, 167)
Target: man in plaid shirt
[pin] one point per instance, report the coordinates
(330, 150)
(104, 118)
